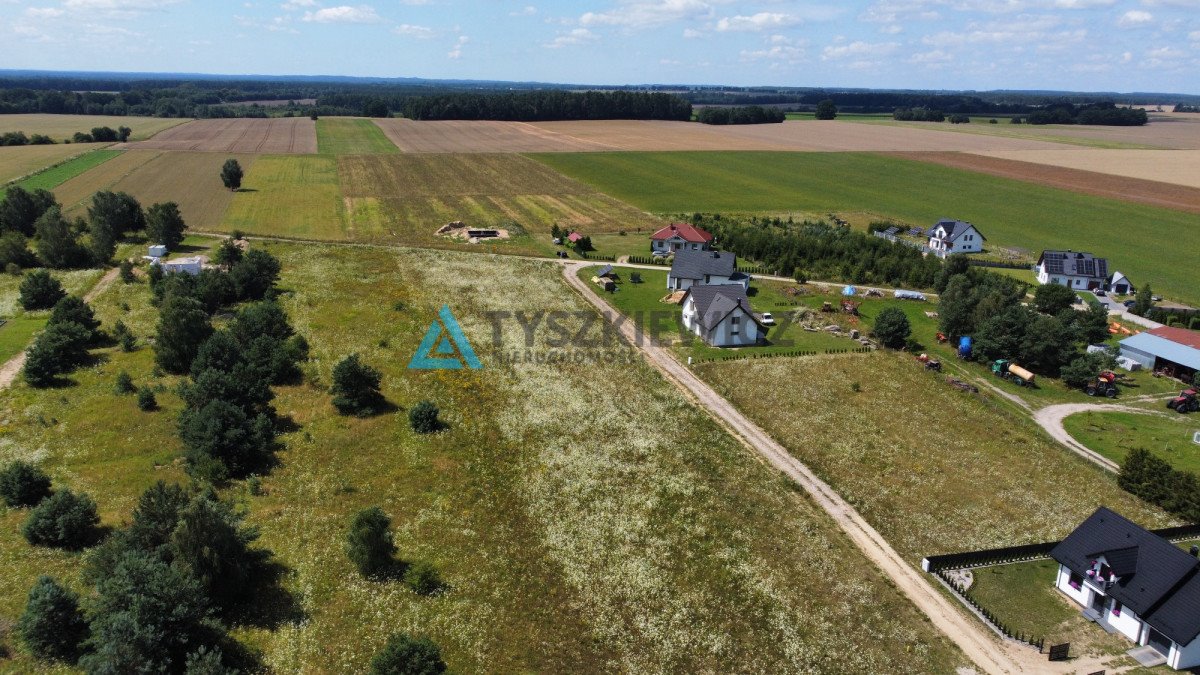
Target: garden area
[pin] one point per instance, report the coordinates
(1166, 434)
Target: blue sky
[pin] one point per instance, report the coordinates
(1112, 45)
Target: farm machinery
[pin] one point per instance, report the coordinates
(1105, 384)
(1185, 402)
(930, 364)
(1007, 370)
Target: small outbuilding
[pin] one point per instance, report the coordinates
(190, 265)
(1120, 284)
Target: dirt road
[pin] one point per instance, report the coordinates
(12, 367)
(980, 646)
(1051, 419)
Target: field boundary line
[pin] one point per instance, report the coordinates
(57, 164)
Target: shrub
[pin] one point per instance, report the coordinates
(59, 349)
(210, 543)
(52, 626)
(126, 271)
(892, 327)
(124, 337)
(39, 290)
(23, 484)
(146, 400)
(228, 253)
(183, 326)
(205, 661)
(124, 384)
(356, 387)
(255, 274)
(423, 417)
(220, 440)
(72, 309)
(369, 543)
(405, 655)
(1053, 298)
(423, 578)
(64, 520)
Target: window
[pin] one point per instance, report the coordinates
(1116, 608)
(1076, 581)
(735, 321)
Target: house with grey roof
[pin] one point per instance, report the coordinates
(721, 315)
(1073, 269)
(1133, 582)
(705, 267)
(1169, 348)
(948, 236)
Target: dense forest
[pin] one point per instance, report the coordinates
(1103, 113)
(549, 105)
(751, 114)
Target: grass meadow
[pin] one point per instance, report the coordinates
(1164, 433)
(56, 175)
(573, 533)
(351, 136)
(289, 195)
(934, 469)
(1010, 213)
(17, 162)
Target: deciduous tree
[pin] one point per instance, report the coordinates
(231, 174)
(165, 225)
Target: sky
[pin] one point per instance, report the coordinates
(1076, 45)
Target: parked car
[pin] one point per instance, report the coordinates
(1129, 303)
(1156, 298)
(767, 319)
(1099, 293)
(661, 254)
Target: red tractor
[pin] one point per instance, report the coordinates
(1105, 384)
(1185, 402)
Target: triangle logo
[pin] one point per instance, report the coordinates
(444, 346)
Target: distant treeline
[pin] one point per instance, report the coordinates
(1103, 113)
(751, 114)
(98, 135)
(1187, 108)
(918, 115)
(549, 105)
(822, 251)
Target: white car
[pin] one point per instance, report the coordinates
(767, 319)
(661, 254)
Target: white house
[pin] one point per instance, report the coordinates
(704, 267)
(947, 237)
(1072, 269)
(1133, 582)
(1120, 284)
(721, 316)
(680, 237)
(190, 265)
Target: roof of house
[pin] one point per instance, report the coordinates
(1155, 578)
(954, 229)
(687, 231)
(697, 264)
(1074, 264)
(1118, 276)
(574, 237)
(1177, 345)
(714, 302)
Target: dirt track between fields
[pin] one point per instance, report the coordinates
(1153, 193)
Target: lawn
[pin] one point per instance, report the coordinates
(934, 469)
(61, 127)
(19, 161)
(574, 534)
(1010, 212)
(1113, 434)
(17, 332)
(56, 175)
(291, 196)
(351, 136)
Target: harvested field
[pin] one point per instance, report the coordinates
(1165, 132)
(351, 136)
(286, 135)
(17, 162)
(1111, 178)
(190, 179)
(289, 195)
(60, 127)
(588, 136)
(410, 196)
(72, 193)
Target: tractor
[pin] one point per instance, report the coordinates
(1105, 384)
(930, 364)
(1185, 402)
(1007, 370)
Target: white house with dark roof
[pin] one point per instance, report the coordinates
(705, 267)
(1120, 284)
(948, 237)
(1073, 269)
(721, 316)
(1133, 582)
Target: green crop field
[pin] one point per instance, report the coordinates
(289, 195)
(24, 160)
(573, 534)
(1166, 434)
(56, 175)
(348, 136)
(1010, 213)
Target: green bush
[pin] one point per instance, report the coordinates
(124, 384)
(423, 417)
(405, 655)
(64, 520)
(23, 484)
(423, 578)
(39, 290)
(369, 543)
(127, 275)
(146, 400)
(52, 627)
(356, 387)
(892, 328)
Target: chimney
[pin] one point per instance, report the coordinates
(1195, 551)
(716, 254)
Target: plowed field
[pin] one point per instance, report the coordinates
(281, 135)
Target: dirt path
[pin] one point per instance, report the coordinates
(1051, 419)
(980, 646)
(12, 367)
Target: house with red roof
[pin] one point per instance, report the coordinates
(574, 237)
(680, 237)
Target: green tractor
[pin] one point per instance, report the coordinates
(1007, 370)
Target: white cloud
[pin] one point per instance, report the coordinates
(456, 51)
(649, 13)
(891, 29)
(297, 4)
(932, 58)
(780, 49)
(1022, 30)
(527, 10)
(1186, 4)
(1135, 18)
(576, 36)
(1194, 36)
(343, 14)
(692, 33)
(410, 30)
(858, 50)
(43, 12)
(757, 22)
(118, 5)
